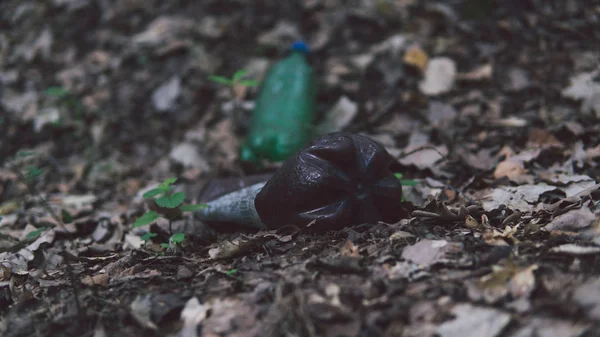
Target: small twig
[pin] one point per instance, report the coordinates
(426, 147)
(73, 279)
(310, 327)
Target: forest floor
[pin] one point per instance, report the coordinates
(101, 100)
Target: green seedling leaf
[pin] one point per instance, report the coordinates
(248, 83)
(177, 237)
(398, 175)
(146, 219)
(25, 153)
(169, 181)
(220, 80)
(191, 208)
(56, 123)
(58, 92)
(66, 216)
(148, 236)
(165, 245)
(171, 201)
(36, 233)
(239, 74)
(231, 272)
(166, 187)
(32, 172)
(152, 193)
(408, 182)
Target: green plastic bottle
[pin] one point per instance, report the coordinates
(282, 121)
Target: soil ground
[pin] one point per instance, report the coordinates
(492, 108)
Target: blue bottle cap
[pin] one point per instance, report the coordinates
(300, 46)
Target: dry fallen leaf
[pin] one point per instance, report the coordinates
(587, 296)
(573, 249)
(551, 327)
(542, 138)
(165, 96)
(192, 315)
(141, 311)
(349, 249)
(231, 317)
(517, 79)
(582, 86)
(474, 321)
(416, 56)
(510, 169)
(523, 282)
(440, 75)
(429, 252)
(515, 197)
(282, 32)
(338, 117)
(424, 157)
(163, 29)
(98, 279)
(187, 154)
(573, 220)
(483, 72)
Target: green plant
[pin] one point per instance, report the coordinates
(148, 236)
(175, 239)
(28, 174)
(236, 79)
(36, 233)
(72, 116)
(66, 100)
(22, 164)
(164, 202)
(405, 182)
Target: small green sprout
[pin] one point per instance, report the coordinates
(32, 172)
(66, 216)
(165, 200)
(236, 79)
(25, 153)
(148, 236)
(177, 238)
(57, 92)
(27, 175)
(174, 240)
(66, 99)
(146, 219)
(405, 182)
(231, 272)
(36, 233)
(235, 82)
